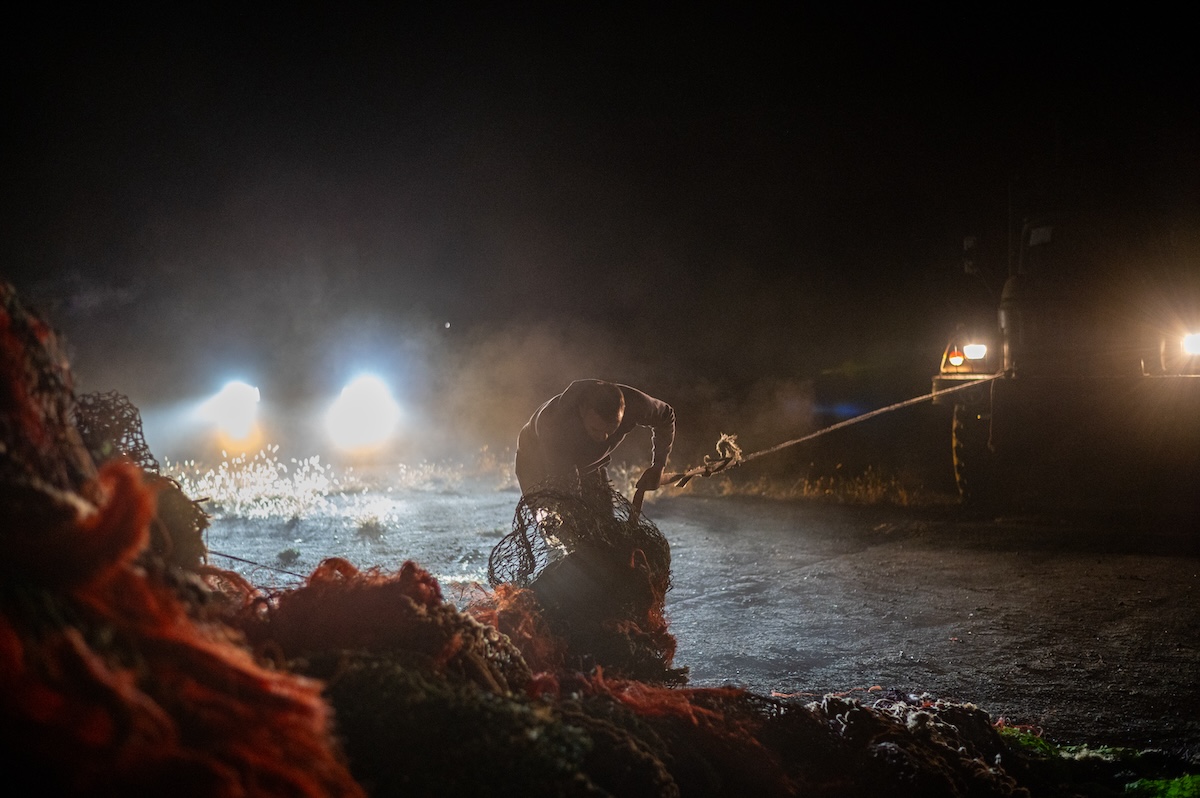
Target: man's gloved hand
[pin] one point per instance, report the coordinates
(651, 479)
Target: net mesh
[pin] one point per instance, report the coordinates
(111, 426)
(561, 518)
(582, 570)
(401, 614)
(38, 443)
(115, 682)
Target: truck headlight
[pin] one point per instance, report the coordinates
(364, 416)
(1191, 344)
(233, 410)
(969, 358)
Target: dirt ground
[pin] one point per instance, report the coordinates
(1083, 627)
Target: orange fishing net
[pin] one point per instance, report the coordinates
(108, 685)
(403, 614)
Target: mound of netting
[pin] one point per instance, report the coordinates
(111, 429)
(428, 703)
(431, 702)
(586, 571)
(401, 614)
(40, 449)
(412, 730)
(110, 684)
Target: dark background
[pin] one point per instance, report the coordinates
(758, 218)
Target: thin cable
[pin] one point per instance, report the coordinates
(257, 564)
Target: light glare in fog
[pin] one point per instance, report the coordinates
(1191, 344)
(364, 416)
(234, 410)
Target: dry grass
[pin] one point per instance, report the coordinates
(870, 487)
(261, 486)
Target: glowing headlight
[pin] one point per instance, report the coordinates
(234, 410)
(364, 416)
(959, 358)
(1191, 344)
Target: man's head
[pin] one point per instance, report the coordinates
(601, 408)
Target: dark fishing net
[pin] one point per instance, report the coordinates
(410, 731)
(111, 426)
(560, 518)
(39, 446)
(589, 572)
(413, 732)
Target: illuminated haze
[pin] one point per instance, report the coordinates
(759, 220)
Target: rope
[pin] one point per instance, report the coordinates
(730, 455)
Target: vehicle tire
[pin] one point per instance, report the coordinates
(974, 461)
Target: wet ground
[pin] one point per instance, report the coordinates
(1084, 628)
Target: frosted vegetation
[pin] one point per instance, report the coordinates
(262, 486)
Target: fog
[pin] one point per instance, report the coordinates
(758, 221)
(458, 394)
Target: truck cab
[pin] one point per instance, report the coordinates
(1087, 385)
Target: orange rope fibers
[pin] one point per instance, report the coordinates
(343, 608)
(722, 726)
(516, 612)
(108, 685)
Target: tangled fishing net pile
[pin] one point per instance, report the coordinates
(131, 667)
(112, 680)
(591, 574)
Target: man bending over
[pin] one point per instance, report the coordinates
(574, 434)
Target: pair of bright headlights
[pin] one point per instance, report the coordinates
(971, 355)
(364, 415)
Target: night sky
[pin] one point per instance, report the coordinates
(719, 206)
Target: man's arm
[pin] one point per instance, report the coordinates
(646, 411)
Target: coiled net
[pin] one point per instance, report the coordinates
(39, 446)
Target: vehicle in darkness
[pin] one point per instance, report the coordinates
(1085, 384)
